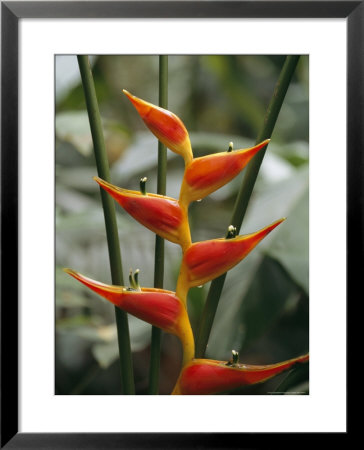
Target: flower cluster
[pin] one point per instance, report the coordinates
(201, 261)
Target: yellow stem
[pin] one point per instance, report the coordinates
(182, 287)
(188, 346)
(186, 241)
(188, 157)
(176, 389)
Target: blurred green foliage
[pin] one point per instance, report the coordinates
(264, 309)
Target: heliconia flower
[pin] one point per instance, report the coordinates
(158, 307)
(207, 174)
(207, 376)
(165, 125)
(162, 215)
(206, 260)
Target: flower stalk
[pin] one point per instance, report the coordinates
(110, 221)
(156, 336)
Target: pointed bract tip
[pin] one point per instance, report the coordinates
(276, 223)
(71, 272)
(135, 100)
(104, 184)
(263, 143)
(132, 98)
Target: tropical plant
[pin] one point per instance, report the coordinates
(201, 261)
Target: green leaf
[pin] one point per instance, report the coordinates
(289, 243)
(72, 201)
(107, 352)
(256, 296)
(141, 156)
(74, 127)
(80, 323)
(290, 247)
(241, 99)
(295, 152)
(196, 300)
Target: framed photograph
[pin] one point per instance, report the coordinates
(83, 84)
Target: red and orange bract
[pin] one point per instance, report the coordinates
(160, 214)
(206, 376)
(206, 174)
(206, 260)
(158, 307)
(165, 125)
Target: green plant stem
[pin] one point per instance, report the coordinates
(112, 236)
(159, 242)
(242, 200)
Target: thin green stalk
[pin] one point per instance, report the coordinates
(159, 242)
(243, 197)
(112, 236)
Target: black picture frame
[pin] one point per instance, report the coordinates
(11, 13)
